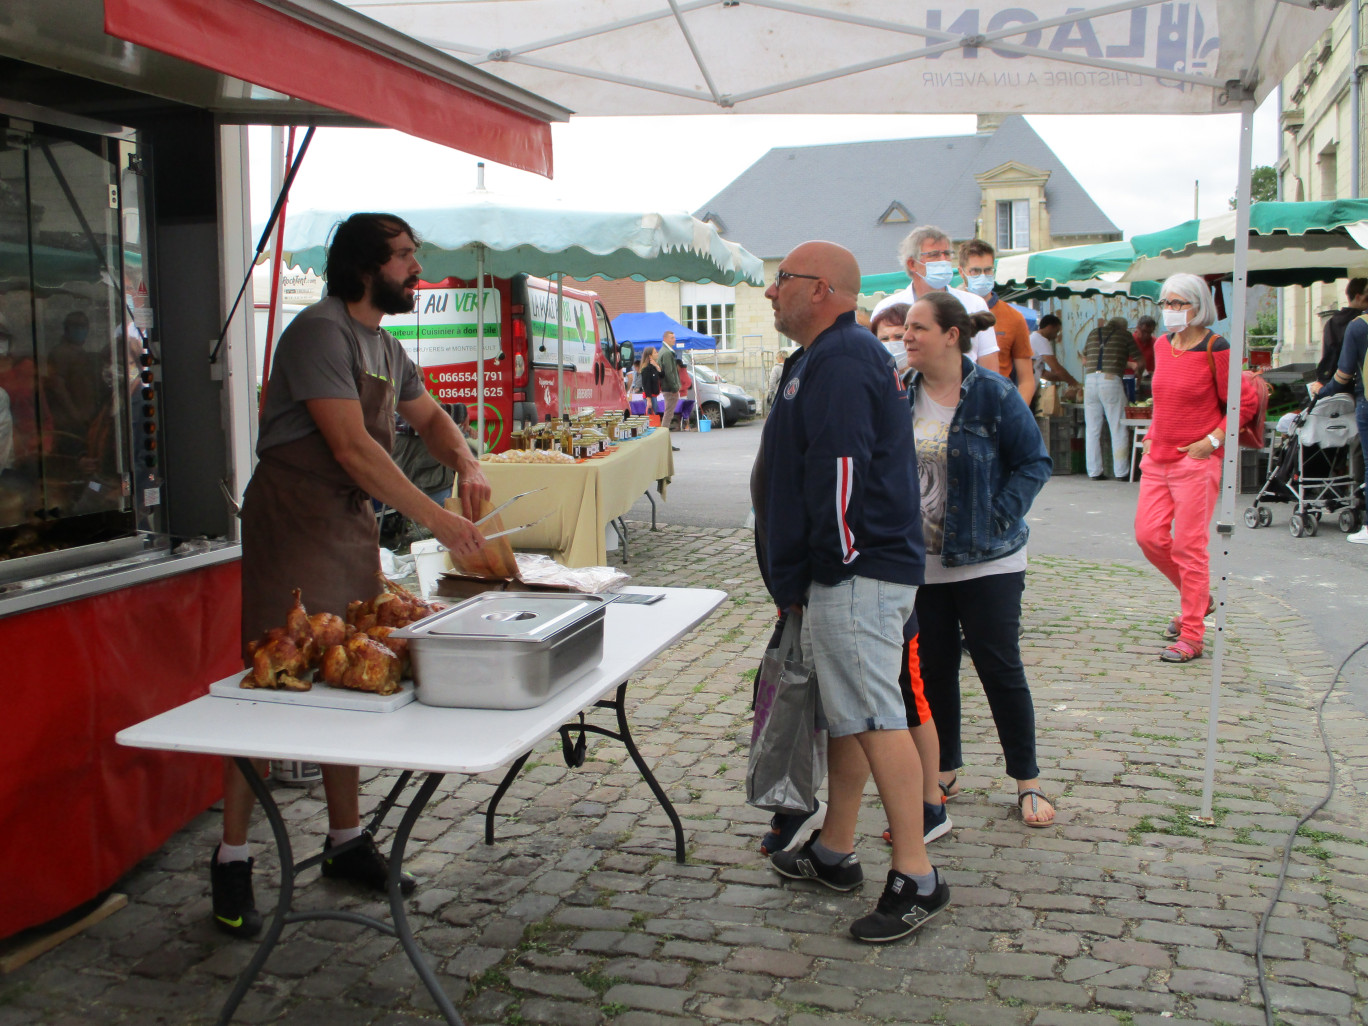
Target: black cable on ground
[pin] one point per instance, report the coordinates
(1292, 837)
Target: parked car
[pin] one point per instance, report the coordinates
(719, 400)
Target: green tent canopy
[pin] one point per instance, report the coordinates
(1289, 244)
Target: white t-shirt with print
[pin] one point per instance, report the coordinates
(931, 433)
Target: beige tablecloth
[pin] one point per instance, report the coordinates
(581, 497)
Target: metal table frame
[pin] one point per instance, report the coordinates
(637, 634)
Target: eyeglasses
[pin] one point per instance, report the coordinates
(977, 272)
(782, 276)
(935, 254)
(1174, 304)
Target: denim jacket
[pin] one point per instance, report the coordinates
(996, 463)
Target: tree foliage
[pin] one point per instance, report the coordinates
(1263, 185)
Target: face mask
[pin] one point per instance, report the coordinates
(1175, 320)
(78, 334)
(939, 273)
(896, 348)
(4, 347)
(980, 286)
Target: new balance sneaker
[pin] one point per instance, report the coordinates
(787, 829)
(366, 865)
(803, 864)
(901, 910)
(235, 910)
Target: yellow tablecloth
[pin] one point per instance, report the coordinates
(581, 497)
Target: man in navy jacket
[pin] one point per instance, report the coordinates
(844, 549)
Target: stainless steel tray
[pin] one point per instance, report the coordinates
(505, 650)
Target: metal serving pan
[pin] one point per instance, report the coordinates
(505, 650)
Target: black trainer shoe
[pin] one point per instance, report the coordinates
(802, 864)
(365, 864)
(787, 829)
(234, 906)
(901, 910)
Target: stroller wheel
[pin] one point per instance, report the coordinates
(1265, 516)
(1348, 521)
(1296, 523)
(1312, 524)
(1251, 516)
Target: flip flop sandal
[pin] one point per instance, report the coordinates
(1036, 795)
(1173, 631)
(1181, 651)
(949, 790)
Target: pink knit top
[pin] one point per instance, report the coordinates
(1189, 401)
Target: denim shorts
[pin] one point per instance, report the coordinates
(853, 637)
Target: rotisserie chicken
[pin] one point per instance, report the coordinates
(361, 663)
(355, 653)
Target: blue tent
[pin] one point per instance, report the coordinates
(646, 329)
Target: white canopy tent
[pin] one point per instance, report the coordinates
(893, 57)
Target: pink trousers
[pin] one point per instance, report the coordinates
(1172, 525)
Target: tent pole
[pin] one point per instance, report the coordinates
(717, 366)
(560, 343)
(1230, 471)
(479, 346)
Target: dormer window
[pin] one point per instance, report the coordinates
(896, 214)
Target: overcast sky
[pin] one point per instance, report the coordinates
(1140, 170)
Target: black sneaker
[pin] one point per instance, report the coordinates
(901, 910)
(935, 823)
(234, 906)
(787, 829)
(366, 865)
(802, 864)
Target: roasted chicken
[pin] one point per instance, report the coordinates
(361, 663)
(355, 653)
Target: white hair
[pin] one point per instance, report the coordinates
(910, 247)
(1194, 290)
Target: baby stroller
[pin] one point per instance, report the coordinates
(1312, 468)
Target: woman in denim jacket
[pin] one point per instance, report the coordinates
(981, 461)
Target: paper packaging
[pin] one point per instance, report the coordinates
(495, 568)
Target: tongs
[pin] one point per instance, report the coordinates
(504, 505)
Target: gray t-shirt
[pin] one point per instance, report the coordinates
(320, 356)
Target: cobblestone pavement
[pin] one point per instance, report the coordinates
(1123, 913)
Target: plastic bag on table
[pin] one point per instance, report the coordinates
(788, 752)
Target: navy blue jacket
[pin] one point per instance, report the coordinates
(840, 469)
(995, 466)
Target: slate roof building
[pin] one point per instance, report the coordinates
(1002, 184)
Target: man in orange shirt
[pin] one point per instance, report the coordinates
(976, 262)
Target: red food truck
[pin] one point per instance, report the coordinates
(124, 238)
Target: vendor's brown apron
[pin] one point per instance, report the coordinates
(306, 524)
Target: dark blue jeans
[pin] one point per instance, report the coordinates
(1361, 415)
(989, 610)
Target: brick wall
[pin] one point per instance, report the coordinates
(619, 296)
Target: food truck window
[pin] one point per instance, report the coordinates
(71, 352)
(605, 334)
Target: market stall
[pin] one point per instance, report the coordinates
(123, 239)
(580, 500)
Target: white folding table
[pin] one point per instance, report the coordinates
(424, 739)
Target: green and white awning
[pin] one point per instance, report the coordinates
(1289, 244)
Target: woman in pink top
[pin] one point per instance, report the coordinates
(1181, 466)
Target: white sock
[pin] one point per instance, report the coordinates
(344, 835)
(233, 852)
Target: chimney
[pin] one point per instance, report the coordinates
(989, 123)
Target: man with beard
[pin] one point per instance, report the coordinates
(327, 430)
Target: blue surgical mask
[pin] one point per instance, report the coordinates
(939, 274)
(77, 334)
(980, 286)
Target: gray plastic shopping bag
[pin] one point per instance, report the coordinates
(788, 752)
